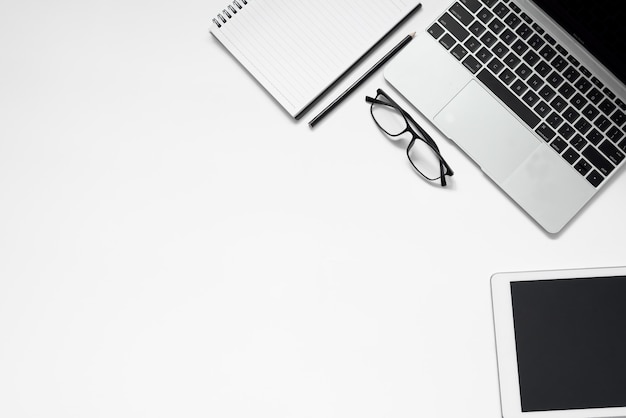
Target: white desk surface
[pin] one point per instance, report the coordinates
(172, 244)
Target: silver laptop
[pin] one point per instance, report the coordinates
(532, 91)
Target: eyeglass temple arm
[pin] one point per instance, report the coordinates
(373, 100)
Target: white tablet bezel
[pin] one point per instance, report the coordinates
(505, 342)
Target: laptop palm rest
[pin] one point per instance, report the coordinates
(526, 168)
(531, 173)
(486, 131)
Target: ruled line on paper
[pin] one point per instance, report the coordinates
(297, 48)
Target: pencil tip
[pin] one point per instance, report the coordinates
(412, 35)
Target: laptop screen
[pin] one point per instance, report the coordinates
(570, 337)
(598, 25)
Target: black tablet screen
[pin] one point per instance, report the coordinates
(570, 337)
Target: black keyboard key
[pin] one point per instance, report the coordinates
(542, 109)
(566, 130)
(573, 61)
(554, 79)
(515, 8)
(530, 98)
(546, 93)
(622, 145)
(519, 87)
(524, 31)
(538, 29)
(607, 107)
(583, 85)
(489, 3)
(578, 142)
(595, 178)
(447, 41)
(472, 64)
(559, 63)
(602, 123)
(496, 26)
(583, 126)
(488, 39)
(484, 15)
(501, 10)
(598, 160)
(590, 112)
(571, 74)
(585, 71)
(558, 103)
(618, 118)
(516, 105)
(571, 156)
(461, 14)
(554, 120)
(614, 134)
(531, 58)
(526, 18)
(454, 27)
(484, 55)
(523, 71)
(620, 104)
(611, 152)
(500, 50)
(508, 36)
(571, 115)
(558, 144)
(512, 60)
(495, 65)
(536, 42)
(512, 20)
(459, 52)
(578, 101)
(472, 44)
(567, 90)
(583, 167)
(547, 52)
(561, 50)
(507, 76)
(535, 82)
(595, 95)
(609, 93)
(545, 132)
(549, 39)
(543, 68)
(519, 47)
(435, 30)
(597, 82)
(476, 28)
(472, 5)
(594, 136)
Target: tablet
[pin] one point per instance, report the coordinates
(561, 342)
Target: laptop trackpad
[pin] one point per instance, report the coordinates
(494, 138)
(427, 75)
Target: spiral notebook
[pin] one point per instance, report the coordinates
(298, 49)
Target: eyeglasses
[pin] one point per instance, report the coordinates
(422, 151)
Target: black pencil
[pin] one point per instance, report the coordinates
(364, 77)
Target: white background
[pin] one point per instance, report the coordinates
(173, 244)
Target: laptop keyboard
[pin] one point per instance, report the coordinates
(539, 81)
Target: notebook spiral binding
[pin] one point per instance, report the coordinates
(229, 12)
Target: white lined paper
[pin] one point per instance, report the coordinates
(296, 49)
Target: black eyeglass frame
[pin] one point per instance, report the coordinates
(444, 168)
